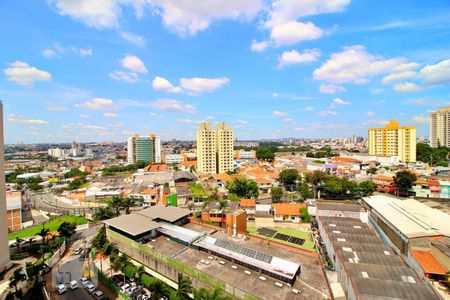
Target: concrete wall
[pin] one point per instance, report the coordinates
(14, 217)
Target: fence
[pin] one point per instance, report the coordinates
(57, 256)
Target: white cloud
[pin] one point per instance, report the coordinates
(109, 115)
(259, 46)
(354, 64)
(85, 52)
(293, 32)
(339, 101)
(289, 120)
(48, 53)
(421, 119)
(376, 122)
(209, 117)
(421, 101)
(91, 127)
(136, 39)
(188, 121)
(437, 74)
(98, 14)
(295, 57)
(283, 11)
(56, 108)
(391, 78)
(199, 85)
(331, 88)
(190, 17)
(97, 104)
(133, 63)
(162, 84)
(277, 113)
(173, 105)
(407, 87)
(309, 108)
(241, 122)
(130, 77)
(24, 74)
(326, 113)
(83, 116)
(370, 114)
(12, 118)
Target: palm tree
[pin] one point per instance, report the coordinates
(159, 289)
(29, 241)
(18, 242)
(139, 271)
(184, 287)
(116, 203)
(126, 204)
(223, 204)
(43, 233)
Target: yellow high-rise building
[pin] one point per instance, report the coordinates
(214, 148)
(393, 140)
(440, 127)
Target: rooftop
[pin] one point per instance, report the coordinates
(288, 209)
(409, 216)
(165, 213)
(428, 262)
(339, 205)
(133, 224)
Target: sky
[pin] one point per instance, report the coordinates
(102, 70)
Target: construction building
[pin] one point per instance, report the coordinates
(144, 149)
(215, 148)
(393, 141)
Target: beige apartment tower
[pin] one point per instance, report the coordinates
(393, 140)
(439, 127)
(4, 247)
(214, 148)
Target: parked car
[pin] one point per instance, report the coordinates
(73, 284)
(84, 281)
(98, 295)
(131, 289)
(125, 287)
(90, 288)
(61, 289)
(77, 251)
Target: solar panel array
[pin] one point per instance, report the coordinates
(243, 250)
(289, 238)
(267, 232)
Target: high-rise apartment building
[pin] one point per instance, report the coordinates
(4, 247)
(393, 140)
(215, 148)
(144, 148)
(440, 127)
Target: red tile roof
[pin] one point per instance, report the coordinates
(287, 209)
(428, 263)
(248, 203)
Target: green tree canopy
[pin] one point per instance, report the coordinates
(243, 188)
(265, 153)
(288, 176)
(276, 193)
(403, 180)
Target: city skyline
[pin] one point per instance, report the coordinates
(268, 69)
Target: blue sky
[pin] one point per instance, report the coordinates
(101, 70)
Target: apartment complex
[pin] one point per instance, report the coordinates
(439, 127)
(144, 148)
(393, 141)
(4, 247)
(214, 148)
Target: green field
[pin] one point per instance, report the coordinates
(308, 245)
(52, 225)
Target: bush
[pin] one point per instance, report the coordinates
(130, 271)
(146, 280)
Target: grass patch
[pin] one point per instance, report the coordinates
(51, 225)
(308, 245)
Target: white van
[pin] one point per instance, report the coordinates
(73, 284)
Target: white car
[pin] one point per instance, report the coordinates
(61, 289)
(90, 288)
(73, 284)
(125, 287)
(131, 289)
(84, 281)
(77, 251)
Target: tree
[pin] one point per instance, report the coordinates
(115, 203)
(104, 213)
(43, 233)
(372, 170)
(304, 191)
(243, 188)
(184, 287)
(18, 242)
(100, 239)
(288, 177)
(276, 193)
(158, 288)
(140, 270)
(265, 153)
(367, 188)
(223, 204)
(403, 181)
(66, 229)
(127, 203)
(29, 241)
(205, 294)
(315, 179)
(304, 215)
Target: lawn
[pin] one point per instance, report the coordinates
(52, 225)
(308, 245)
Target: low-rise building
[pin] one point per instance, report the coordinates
(14, 210)
(287, 212)
(249, 205)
